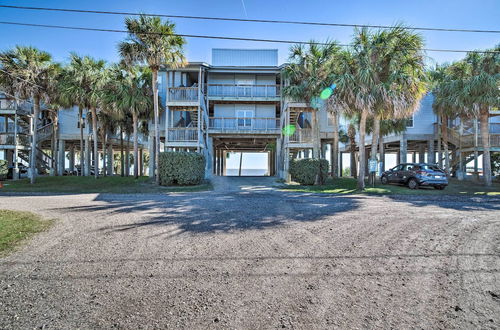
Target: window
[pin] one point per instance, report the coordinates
(330, 118)
(409, 122)
(244, 118)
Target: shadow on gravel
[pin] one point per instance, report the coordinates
(459, 203)
(209, 212)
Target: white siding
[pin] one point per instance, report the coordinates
(260, 110)
(424, 118)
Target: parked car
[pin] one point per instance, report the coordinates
(415, 175)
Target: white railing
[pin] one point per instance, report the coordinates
(187, 94)
(20, 107)
(301, 135)
(243, 91)
(244, 124)
(185, 134)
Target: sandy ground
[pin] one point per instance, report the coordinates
(255, 260)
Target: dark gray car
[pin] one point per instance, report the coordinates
(415, 175)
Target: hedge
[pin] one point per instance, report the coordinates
(304, 171)
(181, 168)
(4, 169)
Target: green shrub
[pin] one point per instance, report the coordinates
(181, 168)
(4, 169)
(304, 171)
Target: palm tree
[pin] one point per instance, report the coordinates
(86, 81)
(382, 74)
(351, 133)
(308, 73)
(30, 74)
(154, 43)
(470, 88)
(130, 92)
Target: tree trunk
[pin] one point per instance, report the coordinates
(94, 136)
(136, 144)
(122, 159)
(82, 153)
(104, 151)
(36, 110)
(334, 152)
(484, 117)
(362, 152)
(375, 138)
(127, 156)
(439, 144)
(157, 126)
(382, 155)
(444, 139)
(315, 131)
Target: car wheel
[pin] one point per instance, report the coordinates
(412, 184)
(384, 180)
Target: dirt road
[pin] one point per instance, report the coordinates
(250, 260)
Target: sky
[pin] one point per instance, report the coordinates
(437, 13)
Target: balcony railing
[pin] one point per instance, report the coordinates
(10, 139)
(184, 134)
(183, 94)
(243, 91)
(301, 135)
(21, 107)
(244, 124)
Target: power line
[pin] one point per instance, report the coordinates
(222, 37)
(246, 19)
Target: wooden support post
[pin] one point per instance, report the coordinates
(431, 155)
(421, 153)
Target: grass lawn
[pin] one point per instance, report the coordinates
(110, 184)
(348, 186)
(16, 226)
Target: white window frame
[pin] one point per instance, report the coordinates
(246, 117)
(412, 122)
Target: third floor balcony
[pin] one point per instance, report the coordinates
(244, 92)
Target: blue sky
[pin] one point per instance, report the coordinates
(436, 13)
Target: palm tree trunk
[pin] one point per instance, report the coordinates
(484, 117)
(136, 144)
(122, 159)
(316, 142)
(104, 149)
(375, 138)
(82, 154)
(439, 144)
(354, 166)
(94, 135)
(157, 126)
(127, 156)
(444, 139)
(36, 110)
(362, 152)
(382, 154)
(334, 152)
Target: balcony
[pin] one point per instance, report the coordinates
(301, 135)
(9, 139)
(244, 125)
(237, 92)
(184, 134)
(9, 106)
(183, 94)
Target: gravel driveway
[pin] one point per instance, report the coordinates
(251, 260)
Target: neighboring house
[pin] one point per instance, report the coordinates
(15, 138)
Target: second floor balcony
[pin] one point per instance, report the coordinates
(245, 124)
(183, 94)
(241, 92)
